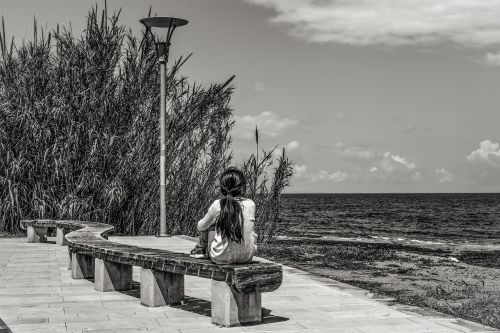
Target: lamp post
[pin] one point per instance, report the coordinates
(165, 27)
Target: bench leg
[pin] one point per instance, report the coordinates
(60, 240)
(111, 276)
(231, 308)
(161, 288)
(37, 234)
(82, 266)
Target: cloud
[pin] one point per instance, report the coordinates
(470, 23)
(416, 176)
(487, 153)
(379, 165)
(259, 86)
(269, 124)
(368, 164)
(358, 153)
(292, 145)
(389, 160)
(444, 176)
(484, 166)
(335, 177)
(299, 170)
(492, 58)
(414, 128)
(340, 115)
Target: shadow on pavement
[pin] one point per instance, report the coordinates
(3, 327)
(203, 307)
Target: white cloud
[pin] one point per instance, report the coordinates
(340, 115)
(484, 166)
(393, 168)
(335, 177)
(379, 165)
(292, 145)
(357, 153)
(471, 23)
(398, 159)
(444, 176)
(487, 153)
(369, 164)
(409, 129)
(492, 58)
(416, 176)
(269, 124)
(259, 86)
(299, 170)
(414, 128)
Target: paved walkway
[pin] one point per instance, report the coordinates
(37, 294)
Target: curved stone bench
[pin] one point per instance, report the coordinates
(236, 289)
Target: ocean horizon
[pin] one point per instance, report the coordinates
(452, 218)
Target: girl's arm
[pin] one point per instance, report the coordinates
(210, 217)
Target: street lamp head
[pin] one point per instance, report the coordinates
(163, 27)
(163, 22)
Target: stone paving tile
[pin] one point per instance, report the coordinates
(26, 320)
(113, 325)
(274, 327)
(316, 330)
(123, 330)
(37, 327)
(164, 330)
(212, 330)
(147, 315)
(77, 317)
(37, 294)
(184, 323)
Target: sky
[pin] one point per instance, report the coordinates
(365, 95)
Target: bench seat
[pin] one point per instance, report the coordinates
(236, 289)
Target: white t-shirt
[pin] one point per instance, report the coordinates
(223, 251)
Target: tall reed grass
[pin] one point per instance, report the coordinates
(79, 132)
(267, 177)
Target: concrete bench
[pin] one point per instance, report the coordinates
(236, 289)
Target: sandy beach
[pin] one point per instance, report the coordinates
(461, 280)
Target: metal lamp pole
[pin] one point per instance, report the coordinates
(167, 25)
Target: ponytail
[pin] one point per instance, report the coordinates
(230, 221)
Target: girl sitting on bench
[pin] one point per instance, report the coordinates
(232, 218)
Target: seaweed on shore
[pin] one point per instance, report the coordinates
(443, 251)
(428, 277)
(481, 258)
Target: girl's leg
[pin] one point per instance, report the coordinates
(201, 249)
(203, 238)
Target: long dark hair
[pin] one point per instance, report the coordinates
(230, 222)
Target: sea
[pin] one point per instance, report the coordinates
(464, 218)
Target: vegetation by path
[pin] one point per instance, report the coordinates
(79, 133)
